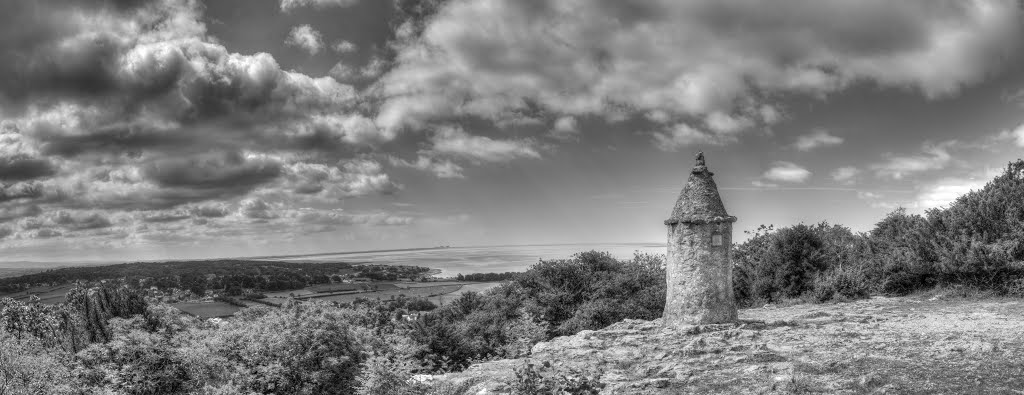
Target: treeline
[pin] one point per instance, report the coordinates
(975, 243)
(191, 275)
(390, 272)
(228, 276)
(482, 277)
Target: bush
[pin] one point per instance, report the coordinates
(840, 284)
(27, 367)
(975, 242)
(557, 297)
(135, 362)
(816, 262)
(309, 348)
(542, 379)
(593, 290)
(387, 375)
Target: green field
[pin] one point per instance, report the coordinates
(437, 292)
(440, 293)
(47, 294)
(387, 294)
(207, 309)
(444, 299)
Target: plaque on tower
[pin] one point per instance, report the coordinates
(698, 269)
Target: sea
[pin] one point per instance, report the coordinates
(451, 261)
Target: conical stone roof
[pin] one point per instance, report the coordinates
(699, 202)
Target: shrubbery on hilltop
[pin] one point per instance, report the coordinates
(591, 290)
(977, 242)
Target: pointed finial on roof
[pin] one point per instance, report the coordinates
(701, 167)
(699, 201)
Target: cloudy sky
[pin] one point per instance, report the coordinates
(153, 129)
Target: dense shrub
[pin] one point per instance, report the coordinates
(902, 254)
(29, 367)
(977, 242)
(591, 290)
(543, 379)
(819, 261)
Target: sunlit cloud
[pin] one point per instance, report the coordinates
(787, 172)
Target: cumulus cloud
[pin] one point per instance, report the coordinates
(867, 195)
(454, 142)
(944, 191)
(565, 128)
(344, 46)
(683, 135)
(305, 37)
(932, 157)
(816, 139)
(291, 5)
(133, 121)
(726, 124)
(209, 210)
(787, 172)
(1016, 135)
(441, 168)
(845, 175)
(683, 59)
(256, 209)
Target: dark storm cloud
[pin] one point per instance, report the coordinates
(47, 53)
(22, 167)
(117, 138)
(20, 191)
(165, 217)
(220, 171)
(46, 234)
(81, 222)
(12, 213)
(210, 211)
(154, 199)
(257, 209)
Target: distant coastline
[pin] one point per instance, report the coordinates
(24, 265)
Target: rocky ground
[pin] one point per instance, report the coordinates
(910, 345)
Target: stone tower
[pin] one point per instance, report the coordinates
(699, 269)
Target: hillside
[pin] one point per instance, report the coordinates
(908, 345)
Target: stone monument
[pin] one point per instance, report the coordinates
(699, 269)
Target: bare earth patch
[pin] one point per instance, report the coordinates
(882, 345)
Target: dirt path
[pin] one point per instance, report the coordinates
(877, 346)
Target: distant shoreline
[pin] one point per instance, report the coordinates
(433, 248)
(46, 265)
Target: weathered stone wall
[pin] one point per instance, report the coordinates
(699, 274)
